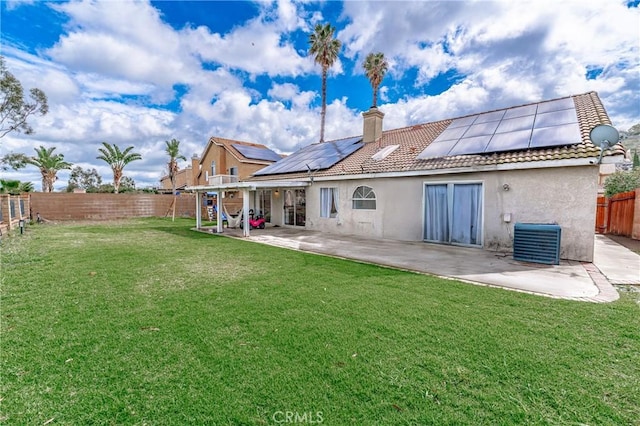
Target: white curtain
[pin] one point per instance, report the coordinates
(467, 214)
(334, 211)
(436, 213)
(328, 199)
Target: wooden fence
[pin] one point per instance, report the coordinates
(13, 208)
(616, 215)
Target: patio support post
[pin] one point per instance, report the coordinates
(219, 212)
(198, 210)
(245, 212)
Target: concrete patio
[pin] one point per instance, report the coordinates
(613, 263)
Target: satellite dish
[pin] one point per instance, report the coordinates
(605, 137)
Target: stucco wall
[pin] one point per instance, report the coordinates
(566, 196)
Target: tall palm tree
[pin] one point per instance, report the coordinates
(117, 159)
(375, 67)
(49, 165)
(325, 50)
(172, 149)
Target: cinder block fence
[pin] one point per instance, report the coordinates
(70, 206)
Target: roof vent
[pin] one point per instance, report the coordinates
(384, 152)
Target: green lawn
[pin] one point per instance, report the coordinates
(147, 322)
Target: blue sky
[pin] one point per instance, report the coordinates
(139, 73)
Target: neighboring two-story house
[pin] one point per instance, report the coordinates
(224, 161)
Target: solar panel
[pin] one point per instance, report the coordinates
(475, 145)
(489, 116)
(547, 124)
(558, 104)
(257, 153)
(509, 141)
(314, 157)
(462, 122)
(451, 134)
(435, 150)
(567, 134)
(520, 111)
(516, 124)
(482, 129)
(556, 118)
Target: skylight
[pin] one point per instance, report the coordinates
(384, 152)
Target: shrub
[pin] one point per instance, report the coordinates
(621, 182)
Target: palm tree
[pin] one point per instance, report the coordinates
(375, 67)
(117, 159)
(325, 50)
(49, 165)
(15, 187)
(173, 151)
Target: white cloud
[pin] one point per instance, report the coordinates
(107, 74)
(128, 41)
(258, 47)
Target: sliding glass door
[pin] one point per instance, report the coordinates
(453, 213)
(295, 207)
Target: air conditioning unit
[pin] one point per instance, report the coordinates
(537, 242)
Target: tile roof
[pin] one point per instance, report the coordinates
(414, 139)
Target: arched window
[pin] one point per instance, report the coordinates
(364, 198)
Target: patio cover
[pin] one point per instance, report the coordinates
(245, 188)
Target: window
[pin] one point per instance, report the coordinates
(364, 198)
(328, 202)
(213, 168)
(233, 171)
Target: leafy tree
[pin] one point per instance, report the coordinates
(13, 161)
(172, 149)
(375, 67)
(14, 109)
(15, 187)
(117, 159)
(636, 160)
(127, 184)
(106, 188)
(621, 182)
(324, 49)
(49, 164)
(89, 180)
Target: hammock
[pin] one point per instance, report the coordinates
(233, 222)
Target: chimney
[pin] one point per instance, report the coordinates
(195, 169)
(372, 128)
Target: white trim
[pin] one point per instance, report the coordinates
(591, 161)
(251, 186)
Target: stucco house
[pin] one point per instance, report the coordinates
(223, 161)
(184, 178)
(462, 181)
